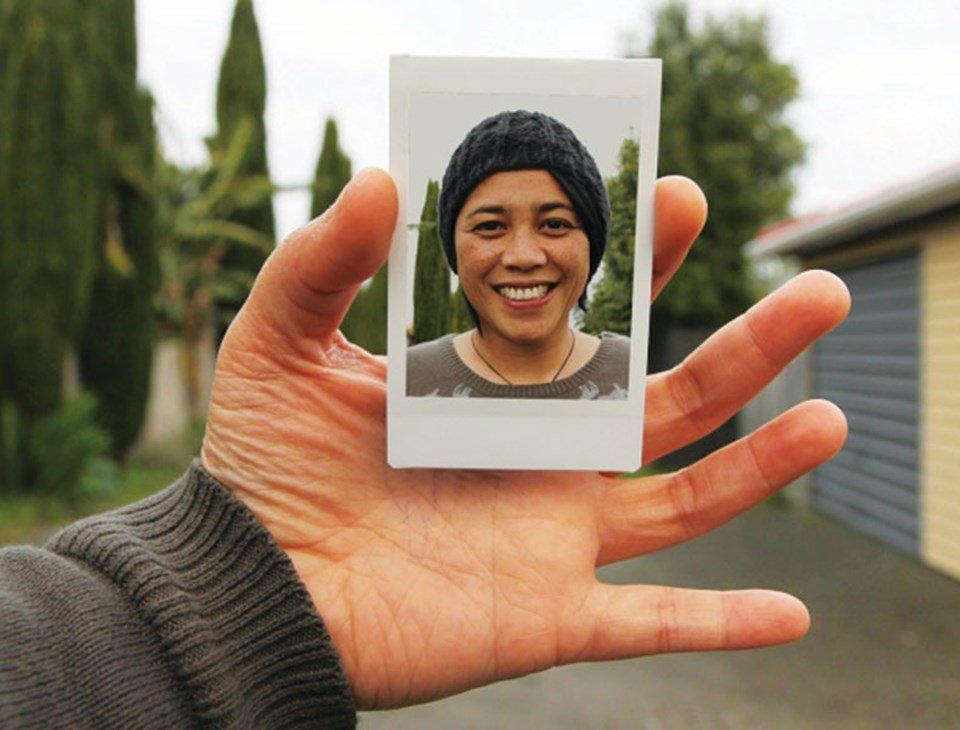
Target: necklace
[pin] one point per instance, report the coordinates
(473, 341)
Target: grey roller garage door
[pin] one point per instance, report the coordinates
(869, 366)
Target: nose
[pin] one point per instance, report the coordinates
(523, 250)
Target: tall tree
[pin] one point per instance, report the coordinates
(50, 172)
(724, 99)
(431, 292)
(366, 321)
(116, 345)
(241, 97)
(610, 305)
(54, 145)
(333, 171)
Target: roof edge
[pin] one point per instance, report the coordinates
(912, 200)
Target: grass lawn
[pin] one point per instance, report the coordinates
(31, 519)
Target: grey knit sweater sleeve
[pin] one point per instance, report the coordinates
(176, 611)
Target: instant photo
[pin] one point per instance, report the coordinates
(520, 269)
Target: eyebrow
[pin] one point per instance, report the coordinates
(496, 209)
(553, 205)
(544, 208)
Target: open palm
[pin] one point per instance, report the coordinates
(431, 582)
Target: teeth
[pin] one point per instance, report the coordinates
(522, 293)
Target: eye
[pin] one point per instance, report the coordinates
(491, 226)
(557, 225)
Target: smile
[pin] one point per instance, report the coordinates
(525, 296)
(524, 293)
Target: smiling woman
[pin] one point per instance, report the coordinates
(523, 219)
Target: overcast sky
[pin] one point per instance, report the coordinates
(879, 80)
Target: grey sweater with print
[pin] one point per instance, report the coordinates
(177, 611)
(435, 369)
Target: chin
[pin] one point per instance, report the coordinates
(526, 334)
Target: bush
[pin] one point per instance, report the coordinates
(63, 454)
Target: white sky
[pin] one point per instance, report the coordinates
(879, 80)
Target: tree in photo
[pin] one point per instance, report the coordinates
(460, 319)
(610, 306)
(431, 292)
(241, 98)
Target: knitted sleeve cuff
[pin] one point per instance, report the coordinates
(239, 630)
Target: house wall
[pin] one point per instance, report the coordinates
(870, 367)
(940, 399)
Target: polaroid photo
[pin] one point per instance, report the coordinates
(519, 273)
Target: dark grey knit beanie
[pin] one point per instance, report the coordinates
(523, 140)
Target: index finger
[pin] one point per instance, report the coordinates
(741, 358)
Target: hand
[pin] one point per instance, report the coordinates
(432, 582)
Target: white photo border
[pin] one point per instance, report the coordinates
(508, 433)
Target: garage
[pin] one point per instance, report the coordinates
(869, 366)
(893, 366)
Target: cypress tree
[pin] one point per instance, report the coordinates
(116, 346)
(431, 293)
(242, 95)
(366, 322)
(49, 205)
(355, 321)
(460, 319)
(114, 24)
(610, 305)
(333, 171)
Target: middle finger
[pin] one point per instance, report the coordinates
(638, 516)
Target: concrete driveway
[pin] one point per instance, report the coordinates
(884, 649)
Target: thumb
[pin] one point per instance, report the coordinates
(309, 281)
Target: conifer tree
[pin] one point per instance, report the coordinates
(333, 171)
(361, 325)
(366, 321)
(241, 96)
(115, 348)
(431, 293)
(49, 206)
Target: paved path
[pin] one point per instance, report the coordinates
(884, 649)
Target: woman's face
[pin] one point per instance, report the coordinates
(522, 256)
